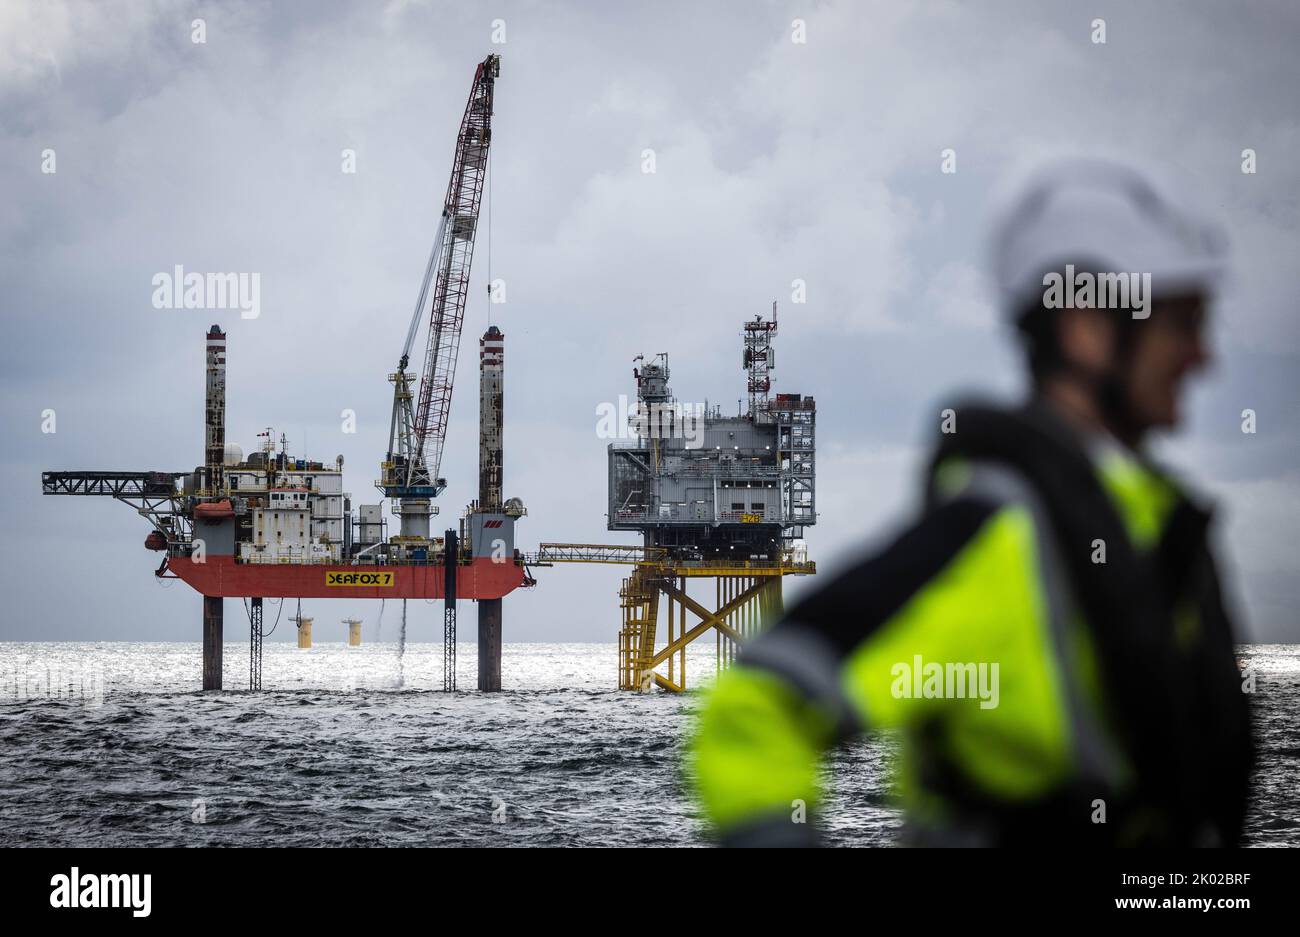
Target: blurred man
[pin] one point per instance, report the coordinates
(1049, 636)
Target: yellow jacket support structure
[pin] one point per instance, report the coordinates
(748, 597)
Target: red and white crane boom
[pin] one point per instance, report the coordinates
(418, 430)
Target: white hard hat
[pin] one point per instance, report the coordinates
(1102, 217)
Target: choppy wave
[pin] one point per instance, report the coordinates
(110, 744)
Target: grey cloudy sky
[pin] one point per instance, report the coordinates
(775, 160)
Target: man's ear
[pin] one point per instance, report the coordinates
(1086, 337)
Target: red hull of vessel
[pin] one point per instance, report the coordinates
(222, 576)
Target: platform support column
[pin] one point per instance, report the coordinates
(255, 645)
(489, 645)
(451, 564)
(491, 474)
(213, 635)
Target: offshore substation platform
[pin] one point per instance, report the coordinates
(274, 525)
(719, 498)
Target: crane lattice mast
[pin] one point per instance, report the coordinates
(417, 439)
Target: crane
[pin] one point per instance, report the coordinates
(418, 428)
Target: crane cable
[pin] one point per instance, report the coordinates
(249, 612)
(280, 609)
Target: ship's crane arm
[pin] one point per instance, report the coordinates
(418, 430)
